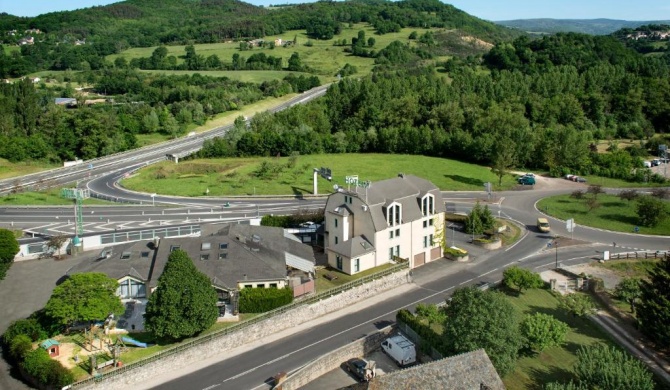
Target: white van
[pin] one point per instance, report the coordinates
(400, 349)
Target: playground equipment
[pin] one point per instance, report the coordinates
(134, 342)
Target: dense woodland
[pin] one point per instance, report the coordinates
(529, 103)
(144, 23)
(533, 103)
(32, 127)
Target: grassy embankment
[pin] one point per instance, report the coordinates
(613, 214)
(554, 364)
(240, 176)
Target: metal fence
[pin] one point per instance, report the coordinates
(242, 325)
(148, 234)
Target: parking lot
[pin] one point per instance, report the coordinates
(339, 377)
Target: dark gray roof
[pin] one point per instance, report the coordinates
(356, 246)
(251, 253)
(407, 190)
(468, 371)
(115, 267)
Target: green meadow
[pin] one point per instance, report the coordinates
(281, 176)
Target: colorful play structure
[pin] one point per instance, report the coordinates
(131, 341)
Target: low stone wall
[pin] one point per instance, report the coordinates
(492, 245)
(334, 359)
(286, 320)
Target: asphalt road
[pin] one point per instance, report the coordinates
(433, 282)
(138, 157)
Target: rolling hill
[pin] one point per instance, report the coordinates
(586, 26)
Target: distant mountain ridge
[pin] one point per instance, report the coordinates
(586, 26)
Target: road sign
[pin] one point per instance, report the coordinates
(570, 225)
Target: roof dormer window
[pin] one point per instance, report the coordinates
(428, 205)
(394, 214)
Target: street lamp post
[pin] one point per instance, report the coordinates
(556, 245)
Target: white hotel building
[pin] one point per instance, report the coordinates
(399, 217)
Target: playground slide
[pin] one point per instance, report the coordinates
(134, 342)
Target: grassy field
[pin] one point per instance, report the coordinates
(9, 169)
(630, 268)
(323, 284)
(238, 176)
(613, 214)
(325, 58)
(45, 198)
(554, 364)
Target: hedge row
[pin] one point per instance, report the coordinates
(34, 363)
(259, 300)
(428, 336)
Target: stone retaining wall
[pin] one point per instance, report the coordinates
(252, 333)
(334, 359)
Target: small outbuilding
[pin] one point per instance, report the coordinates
(51, 346)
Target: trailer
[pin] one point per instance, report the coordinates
(400, 349)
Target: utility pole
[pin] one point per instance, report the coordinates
(556, 245)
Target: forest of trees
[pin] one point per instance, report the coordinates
(144, 23)
(32, 127)
(546, 100)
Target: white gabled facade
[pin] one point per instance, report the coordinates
(399, 217)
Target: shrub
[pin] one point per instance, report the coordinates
(46, 371)
(28, 327)
(428, 336)
(19, 347)
(455, 252)
(260, 300)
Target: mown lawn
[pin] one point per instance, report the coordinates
(44, 198)
(554, 364)
(613, 214)
(323, 284)
(240, 176)
(322, 56)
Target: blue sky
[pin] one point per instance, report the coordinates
(485, 9)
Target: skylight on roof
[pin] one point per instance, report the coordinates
(205, 246)
(125, 255)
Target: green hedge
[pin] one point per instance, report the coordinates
(454, 252)
(428, 336)
(45, 370)
(291, 221)
(259, 300)
(29, 327)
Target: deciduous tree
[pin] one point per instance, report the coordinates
(519, 278)
(9, 247)
(650, 211)
(576, 303)
(184, 303)
(628, 290)
(653, 311)
(84, 297)
(603, 367)
(483, 319)
(542, 331)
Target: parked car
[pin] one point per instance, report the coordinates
(569, 177)
(363, 370)
(580, 179)
(526, 180)
(647, 164)
(307, 224)
(655, 162)
(483, 285)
